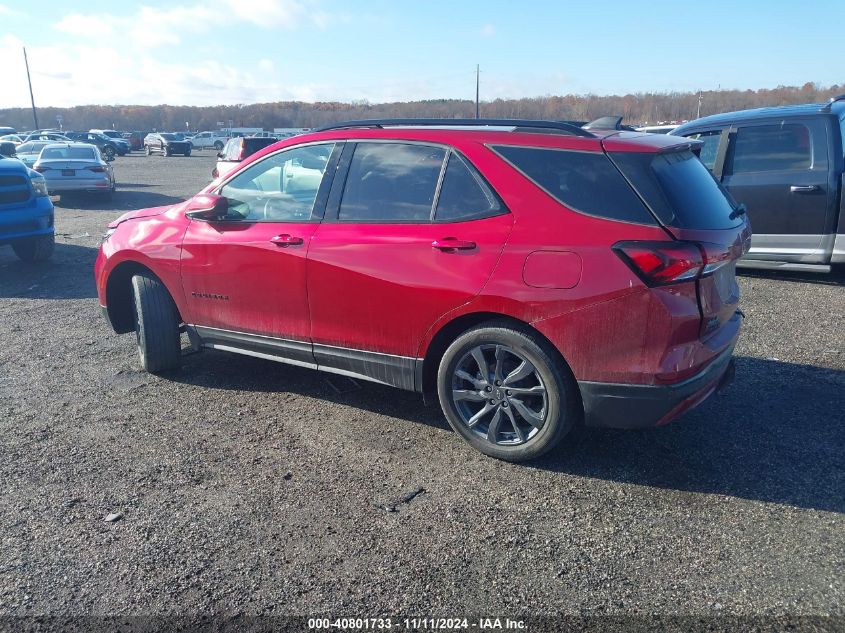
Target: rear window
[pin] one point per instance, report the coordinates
(253, 144)
(679, 189)
(583, 181)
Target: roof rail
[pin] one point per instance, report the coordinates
(829, 105)
(519, 125)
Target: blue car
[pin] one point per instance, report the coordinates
(26, 212)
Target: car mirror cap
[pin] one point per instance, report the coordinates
(207, 207)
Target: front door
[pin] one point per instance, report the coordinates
(411, 232)
(244, 277)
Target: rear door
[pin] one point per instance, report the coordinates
(411, 232)
(780, 171)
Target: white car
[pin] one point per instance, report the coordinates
(205, 140)
(75, 168)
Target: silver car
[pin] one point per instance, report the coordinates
(75, 167)
(29, 152)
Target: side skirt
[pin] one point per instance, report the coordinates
(385, 369)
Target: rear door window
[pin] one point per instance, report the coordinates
(583, 181)
(464, 195)
(709, 147)
(391, 182)
(779, 147)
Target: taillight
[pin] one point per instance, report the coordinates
(97, 169)
(41, 169)
(661, 263)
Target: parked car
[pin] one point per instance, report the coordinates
(26, 213)
(75, 168)
(658, 129)
(122, 145)
(236, 150)
(166, 144)
(205, 140)
(786, 166)
(7, 130)
(13, 138)
(107, 146)
(46, 136)
(507, 265)
(29, 152)
(7, 148)
(135, 139)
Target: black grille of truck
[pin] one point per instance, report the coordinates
(13, 189)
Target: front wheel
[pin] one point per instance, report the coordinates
(507, 392)
(108, 153)
(35, 249)
(148, 150)
(218, 146)
(156, 325)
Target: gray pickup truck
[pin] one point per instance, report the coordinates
(787, 166)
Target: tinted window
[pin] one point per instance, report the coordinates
(391, 182)
(772, 148)
(279, 188)
(463, 195)
(583, 181)
(679, 189)
(710, 148)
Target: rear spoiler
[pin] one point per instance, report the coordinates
(608, 123)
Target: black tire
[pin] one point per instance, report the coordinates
(165, 151)
(35, 249)
(148, 150)
(559, 404)
(108, 153)
(156, 325)
(187, 152)
(218, 146)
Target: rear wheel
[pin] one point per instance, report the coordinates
(156, 325)
(218, 146)
(165, 151)
(148, 150)
(35, 249)
(108, 153)
(506, 392)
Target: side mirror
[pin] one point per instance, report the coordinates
(219, 154)
(207, 207)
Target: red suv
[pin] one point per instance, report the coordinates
(533, 273)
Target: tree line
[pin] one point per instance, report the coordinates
(637, 109)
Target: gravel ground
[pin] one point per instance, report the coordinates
(249, 487)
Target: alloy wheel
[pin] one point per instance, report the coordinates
(499, 394)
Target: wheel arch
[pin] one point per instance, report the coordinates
(119, 298)
(452, 329)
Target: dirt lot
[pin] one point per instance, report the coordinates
(249, 487)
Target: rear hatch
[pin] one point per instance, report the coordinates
(695, 209)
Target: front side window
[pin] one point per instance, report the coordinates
(391, 182)
(782, 147)
(710, 147)
(279, 188)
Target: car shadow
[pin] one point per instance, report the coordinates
(68, 274)
(775, 436)
(836, 277)
(124, 199)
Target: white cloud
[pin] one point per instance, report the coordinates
(265, 65)
(4, 10)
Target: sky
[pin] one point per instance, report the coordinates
(208, 52)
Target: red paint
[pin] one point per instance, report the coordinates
(552, 269)
(391, 287)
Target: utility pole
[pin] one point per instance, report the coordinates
(477, 76)
(698, 114)
(31, 98)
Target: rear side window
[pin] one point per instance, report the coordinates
(771, 148)
(679, 189)
(709, 147)
(583, 181)
(391, 182)
(463, 195)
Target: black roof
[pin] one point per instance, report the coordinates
(837, 108)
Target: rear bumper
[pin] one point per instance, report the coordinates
(623, 406)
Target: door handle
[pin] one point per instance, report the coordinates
(450, 244)
(286, 239)
(803, 188)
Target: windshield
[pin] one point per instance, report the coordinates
(679, 189)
